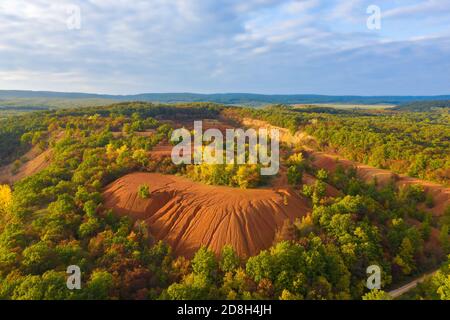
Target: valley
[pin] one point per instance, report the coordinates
(100, 181)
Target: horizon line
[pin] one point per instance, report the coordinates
(221, 93)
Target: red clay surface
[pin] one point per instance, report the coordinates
(440, 194)
(189, 215)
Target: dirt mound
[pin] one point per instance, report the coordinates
(37, 161)
(189, 215)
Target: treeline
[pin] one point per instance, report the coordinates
(424, 106)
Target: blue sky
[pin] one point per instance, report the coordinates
(206, 46)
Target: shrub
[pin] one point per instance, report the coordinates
(294, 175)
(144, 191)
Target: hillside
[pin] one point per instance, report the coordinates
(424, 106)
(190, 215)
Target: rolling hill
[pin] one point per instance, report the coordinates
(46, 98)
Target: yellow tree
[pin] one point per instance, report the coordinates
(5, 198)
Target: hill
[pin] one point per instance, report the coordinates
(189, 215)
(424, 106)
(223, 98)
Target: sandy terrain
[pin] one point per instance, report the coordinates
(188, 214)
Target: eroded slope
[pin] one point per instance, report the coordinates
(189, 215)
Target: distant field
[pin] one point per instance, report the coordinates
(17, 106)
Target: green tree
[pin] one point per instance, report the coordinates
(204, 263)
(444, 238)
(294, 175)
(144, 191)
(99, 286)
(322, 175)
(376, 294)
(229, 261)
(39, 257)
(405, 257)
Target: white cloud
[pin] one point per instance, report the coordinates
(424, 7)
(208, 45)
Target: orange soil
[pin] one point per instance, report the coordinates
(189, 215)
(440, 194)
(37, 161)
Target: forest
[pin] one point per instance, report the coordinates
(411, 143)
(56, 217)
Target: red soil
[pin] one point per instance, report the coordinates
(440, 194)
(37, 161)
(189, 215)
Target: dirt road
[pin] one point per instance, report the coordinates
(410, 285)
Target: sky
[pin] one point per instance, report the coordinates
(218, 46)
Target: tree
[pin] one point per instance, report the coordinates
(39, 257)
(322, 175)
(5, 199)
(229, 261)
(376, 294)
(444, 238)
(294, 175)
(308, 191)
(287, 295)
(99, 285)
(296, 160)
(89, 227)
(429, 201)
(444, 285)
(193, 287)
(426, 228)
(446, 217)
(247, 176)
(144, 191)
(320, 190)
(405, 257)
(205, 263)
(304, 226)
(141, 157)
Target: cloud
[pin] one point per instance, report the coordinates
(423, 8)
(220, 45)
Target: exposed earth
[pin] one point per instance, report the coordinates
(188, 214)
